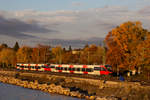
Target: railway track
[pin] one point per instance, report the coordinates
(96, 77)
(87, 76)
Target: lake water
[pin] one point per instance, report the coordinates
(12, 92)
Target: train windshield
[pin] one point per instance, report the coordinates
(109, 68)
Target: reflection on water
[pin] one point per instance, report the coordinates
(11, 92)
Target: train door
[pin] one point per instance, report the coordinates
(46, 67)
(25, 66)
(22, 66)
(96, 70)
(18, 66)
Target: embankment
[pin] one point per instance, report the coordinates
(77, 87)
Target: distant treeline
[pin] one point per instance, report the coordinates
(45, 54)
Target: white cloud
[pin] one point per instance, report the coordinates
(77, 4)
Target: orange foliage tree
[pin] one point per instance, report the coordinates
(92, 55)
(24, 55)
(2, 46)
(8, 57)
(57, 54)
(70, 58)
(125, 43)
(41, 54)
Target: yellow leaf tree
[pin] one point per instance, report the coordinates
(24, 55)
(123, 44)
(41, 54)
(8, 57)
(92, 55)
(57, 52)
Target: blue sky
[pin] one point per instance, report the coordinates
(46, 5)
(67, 22)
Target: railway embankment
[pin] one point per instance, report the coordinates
(77, 87)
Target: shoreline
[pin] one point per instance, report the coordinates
(76, 87)
(52, 88)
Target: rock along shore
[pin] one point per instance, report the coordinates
(77, 87)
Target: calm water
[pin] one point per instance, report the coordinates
(11, 92)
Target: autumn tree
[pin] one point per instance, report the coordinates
(92, 55)
(57, 54)
(24, 55)
(144, 54)
(36, 55)
(41, 54)
(96, 54)
(8, 57)
(146, 49)
(71, 57)
(2, 46)
(100, 55)
(123, 43)
(84, 56)
(67, 58)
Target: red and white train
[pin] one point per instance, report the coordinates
(66, 68)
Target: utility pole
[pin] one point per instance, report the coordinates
(104, 53)
(88, 57)
(38, 56)
(60, 56)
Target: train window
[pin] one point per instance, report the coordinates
(25, 66)
(37, 67)
(52, 66)
(89, 70)
(103, 69)
(109, 68)
(57, 68)
(65, 68)
(70, 69)
(32, 67)
(43, 66)
(73, 69)
(78, 69)
(97, 68)
(61, 68)
(83, 69)
(48, 64)
(22, 66)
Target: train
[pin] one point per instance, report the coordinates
(67, 68)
